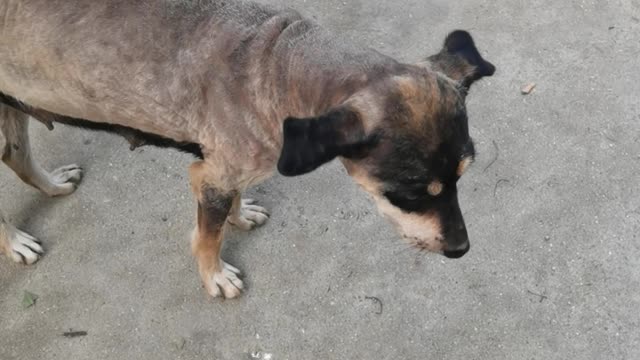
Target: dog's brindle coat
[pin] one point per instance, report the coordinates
(248, 89)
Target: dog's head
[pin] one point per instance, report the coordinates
(405, 140)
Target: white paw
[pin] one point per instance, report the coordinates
(23, 248)
(249, 216)
(64, 180)
(225, 283)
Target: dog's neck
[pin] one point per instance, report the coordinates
(316, 84)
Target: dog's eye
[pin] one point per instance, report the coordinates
(412, 197)
(408, 201)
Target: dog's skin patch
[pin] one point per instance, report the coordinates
(464, 164)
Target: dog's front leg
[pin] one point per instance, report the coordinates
(214, 206)
(18, 245)
(246, 215)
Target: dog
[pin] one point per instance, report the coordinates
(247, 89)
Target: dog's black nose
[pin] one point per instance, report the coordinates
(457, 254)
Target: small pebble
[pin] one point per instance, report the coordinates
(261, 356)
(527, 89)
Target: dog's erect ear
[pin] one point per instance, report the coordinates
(460, 59)
(309, 143)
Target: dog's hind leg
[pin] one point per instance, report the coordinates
(16, 153)
(214, 206)
(19, 246)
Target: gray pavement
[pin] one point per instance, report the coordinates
(553, 212)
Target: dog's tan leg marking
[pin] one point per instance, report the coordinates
(16, 153)
(214, 205)
(19, 246)
(246, 215)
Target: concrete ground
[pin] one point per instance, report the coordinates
(552, 206)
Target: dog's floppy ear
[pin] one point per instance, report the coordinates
(460, 59)
(311, 142)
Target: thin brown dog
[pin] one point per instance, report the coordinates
(248, 89)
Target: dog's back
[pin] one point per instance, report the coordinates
(159, 65)
(115, 60)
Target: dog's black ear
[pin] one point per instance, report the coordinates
(309, 143)
(460, 59)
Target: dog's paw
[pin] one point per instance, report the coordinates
(225, 283)
(249, 215)
(64, 180)
(22, 247)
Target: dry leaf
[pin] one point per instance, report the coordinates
(29, 299)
